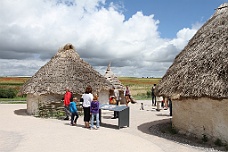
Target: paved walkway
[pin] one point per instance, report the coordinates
(22, 133)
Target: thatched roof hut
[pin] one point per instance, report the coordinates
(201, 69)
(110, 76)
(113, 79)
(197, 81)
(65, 69)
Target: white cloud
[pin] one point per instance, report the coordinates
(30, 30)
(14, 67)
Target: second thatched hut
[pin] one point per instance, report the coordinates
(113, 79)
(197, 81)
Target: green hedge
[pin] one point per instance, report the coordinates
(8, 93)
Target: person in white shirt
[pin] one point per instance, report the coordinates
(117, 95)
(87, 99)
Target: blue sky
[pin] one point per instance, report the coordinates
(140, 38)
(172, 14)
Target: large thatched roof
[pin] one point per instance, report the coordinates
(65, 69)
(201, 68)
(110, 76)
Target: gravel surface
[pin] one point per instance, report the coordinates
(20, 132)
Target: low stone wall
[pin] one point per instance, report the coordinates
(200, 117)
(35, 101)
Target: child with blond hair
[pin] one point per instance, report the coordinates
(94, 111)
(74, 111)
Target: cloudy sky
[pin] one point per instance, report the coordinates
(139, 37)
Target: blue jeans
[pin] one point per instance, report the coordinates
(97, 120)
(74, 117)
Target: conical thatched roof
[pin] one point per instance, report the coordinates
(65, 69)
(201, 69)
(111, 77)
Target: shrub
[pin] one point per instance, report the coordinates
(218, 142)
(205, 138)
(8, 93)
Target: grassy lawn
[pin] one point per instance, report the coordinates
(13, 99)
(16, 100)
(12, 102)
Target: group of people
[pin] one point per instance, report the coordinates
(90, 107)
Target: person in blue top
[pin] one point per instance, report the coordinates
(74, 111)
(94, 111)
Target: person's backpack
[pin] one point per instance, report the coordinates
(71, 97)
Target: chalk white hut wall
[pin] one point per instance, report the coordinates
(197, 80)
(200, 117)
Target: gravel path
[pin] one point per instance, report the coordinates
(22, 133)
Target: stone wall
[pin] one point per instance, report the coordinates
(201, 117)
(33, 100)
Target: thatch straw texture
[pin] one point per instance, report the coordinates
(110, 76)
(113, 79)
(65, 69)
(201, 68)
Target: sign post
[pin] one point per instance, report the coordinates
(123, 119)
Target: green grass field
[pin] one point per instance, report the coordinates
(140, 87)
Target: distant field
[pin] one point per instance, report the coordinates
(12, 82)
(140, 87)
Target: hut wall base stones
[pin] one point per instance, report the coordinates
(200, 117)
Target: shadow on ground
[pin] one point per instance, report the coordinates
(21, 112)
(163, 128)
(160, 114)
(107, 117)
(111, 126)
